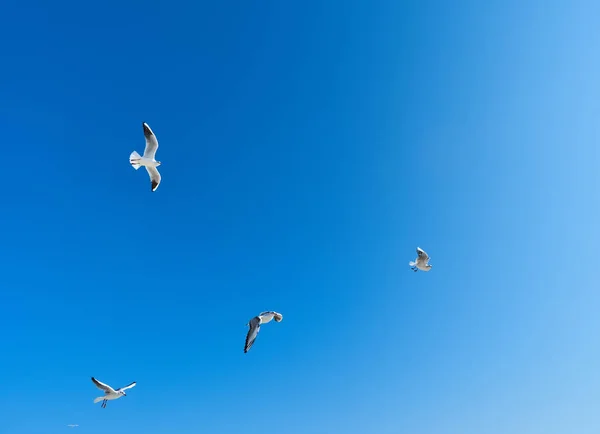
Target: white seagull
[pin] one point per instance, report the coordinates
(109, 392)
(421, 261)
(255, 324)
(72, 425)
(148, 159)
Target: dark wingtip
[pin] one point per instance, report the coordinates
(147, 131)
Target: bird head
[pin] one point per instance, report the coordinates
(123, 393)
(158, 163)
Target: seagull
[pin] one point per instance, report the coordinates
(72, 425)
(148, 159)
(421, 261)
(109, 392)
(255, 323)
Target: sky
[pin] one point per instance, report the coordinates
(307, 148)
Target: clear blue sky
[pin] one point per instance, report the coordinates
(308, 148)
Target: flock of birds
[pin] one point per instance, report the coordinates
(149, 162)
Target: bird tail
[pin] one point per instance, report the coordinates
(97, 400)
(134, 159)
(412, 264)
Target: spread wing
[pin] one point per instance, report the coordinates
(154, 177)
(252, 333)
(105, 387)
(151, 142)
(422, 254)
(129, 386)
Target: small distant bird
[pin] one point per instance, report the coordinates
(421, 261)
(255, 323)
(72, 425)
(109, 392)
(148, 159)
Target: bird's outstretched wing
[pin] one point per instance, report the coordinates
(252, 333)
(129, 386)
(154, 177)
(105, 387)
(422, 254)
(151, 142)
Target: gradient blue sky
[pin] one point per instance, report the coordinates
(308, 147)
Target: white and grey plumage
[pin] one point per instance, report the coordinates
(109, 392)
(255, 323)
(421, 261)
(148, 160)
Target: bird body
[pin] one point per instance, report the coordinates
(421, 263)
(266, 317)
(143, 161)
(148, 160)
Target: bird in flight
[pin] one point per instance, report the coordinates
(72, 425)
(109, 392)
(255, 324)
(148, 160)
(421, 263)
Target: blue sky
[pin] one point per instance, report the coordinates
(308, 148)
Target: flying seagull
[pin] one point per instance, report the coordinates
(421, 261)
(148, 159)
(255, 323)
(72, 425)
(109, 392)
